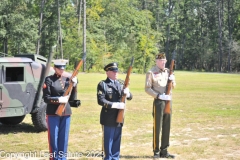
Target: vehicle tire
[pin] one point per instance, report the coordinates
(12, 120)
(39, 118)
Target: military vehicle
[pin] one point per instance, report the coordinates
(21, 80)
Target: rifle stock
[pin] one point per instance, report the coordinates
(120, 116)
(167, 109)
(62, 106)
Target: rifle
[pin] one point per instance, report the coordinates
(120, 116)
(167, 109)
(62, 106)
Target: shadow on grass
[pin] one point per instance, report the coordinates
(136, 157)
(22, 127)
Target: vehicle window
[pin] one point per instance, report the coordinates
(14, 74)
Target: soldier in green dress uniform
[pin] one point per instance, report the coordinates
(155, 86)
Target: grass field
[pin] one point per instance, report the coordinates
(205, 120)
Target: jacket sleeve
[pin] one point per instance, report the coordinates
(47, 92)
(73, 95)
(101, 93)
(73, 101)
(130, 97)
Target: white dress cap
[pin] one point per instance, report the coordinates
(60, 63)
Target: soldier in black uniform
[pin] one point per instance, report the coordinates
(58, 126)
(109, 93)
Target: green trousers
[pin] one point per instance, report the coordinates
(161, 122)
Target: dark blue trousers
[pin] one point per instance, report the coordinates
(58, 131)
(112, 141)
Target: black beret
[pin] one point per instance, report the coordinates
(111, 67)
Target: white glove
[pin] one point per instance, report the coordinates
(127, 92)
(118, 105)
(74, 80)
(164, 97)
(63, 99)
(171, 77)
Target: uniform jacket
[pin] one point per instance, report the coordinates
(107, 93)
(54, 87)
(156, 81)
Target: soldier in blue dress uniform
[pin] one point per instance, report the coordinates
(58, 126)
(109, 93)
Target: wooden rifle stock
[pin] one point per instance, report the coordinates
(62, 106)
(167, 109)
(120, 115)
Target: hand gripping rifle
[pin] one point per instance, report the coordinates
(120, 116)
(167, 109)
(62, 106)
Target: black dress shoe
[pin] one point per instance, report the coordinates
(156, 155)
(167, 155)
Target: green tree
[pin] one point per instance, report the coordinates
(18, 28)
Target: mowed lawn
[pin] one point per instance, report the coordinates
(205, 121)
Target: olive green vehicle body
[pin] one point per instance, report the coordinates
(21, 80)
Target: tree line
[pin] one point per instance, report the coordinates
(205, 34)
